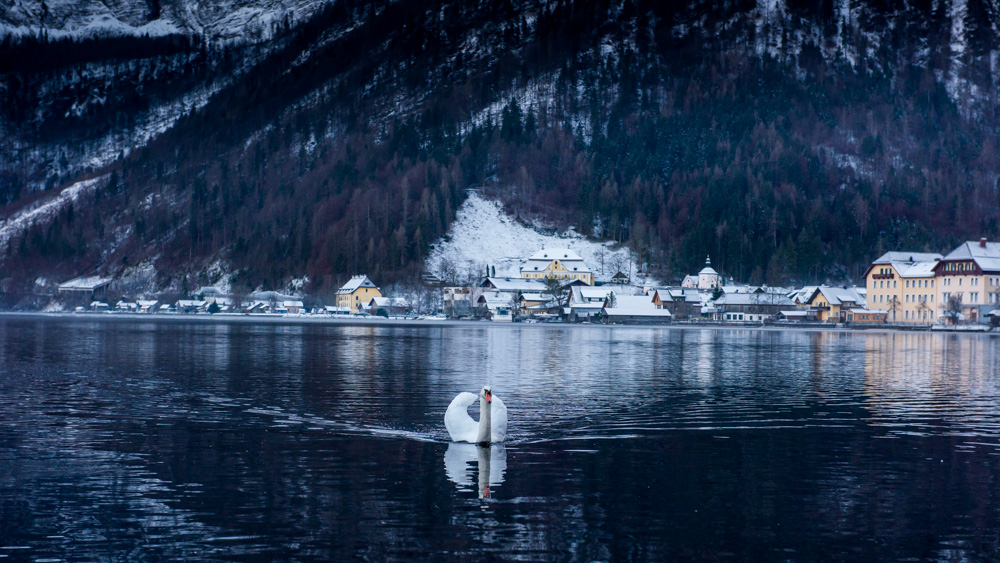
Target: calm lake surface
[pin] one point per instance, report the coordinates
(173, 440)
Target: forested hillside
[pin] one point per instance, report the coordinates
(792, 141)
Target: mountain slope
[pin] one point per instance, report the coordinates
(789, 140)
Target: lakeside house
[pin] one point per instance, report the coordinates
(391, 306)
(755, 306)
(189, 306)
(903, 284)
(587, 303)
(627, 309)
(357, 292)
(88, 288)
(971, 274)
(456, 301)
(293, 306)
(832, 303)
(509, 289)
(556, 263)
(491, 302)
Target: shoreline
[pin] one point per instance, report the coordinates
(311, 320)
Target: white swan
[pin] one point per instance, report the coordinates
(492, 425)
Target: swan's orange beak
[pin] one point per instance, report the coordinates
(489, 397)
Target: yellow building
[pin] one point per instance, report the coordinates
(903, 284)
(832, 304)
(356, 293)
(558, 263)
(971, 273)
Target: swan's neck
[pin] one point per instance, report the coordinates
(485, 430)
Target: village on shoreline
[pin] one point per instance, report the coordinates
(911, 290)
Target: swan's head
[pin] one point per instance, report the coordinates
(486, 394)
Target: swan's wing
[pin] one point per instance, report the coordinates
(456, 463)
(498, 463)
(460, 425)
(498, 420)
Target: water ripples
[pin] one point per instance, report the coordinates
(139, 427)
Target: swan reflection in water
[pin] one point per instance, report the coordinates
(491, 464)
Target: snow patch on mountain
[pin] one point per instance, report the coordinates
(16, 224)
(228, 21)
(484, 235)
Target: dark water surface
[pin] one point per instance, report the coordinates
(202, 441)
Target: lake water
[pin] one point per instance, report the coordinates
(136, 440)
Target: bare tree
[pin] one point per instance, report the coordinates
(923, 310)
(893, 307)
(617, 262)
(953, 309)
(239, 294)
(554, 287)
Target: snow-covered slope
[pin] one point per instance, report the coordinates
(13, 226)
(483, 235)
(220, 20)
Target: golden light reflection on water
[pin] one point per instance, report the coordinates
(931, 378)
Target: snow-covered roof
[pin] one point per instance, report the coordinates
(549, 254)
(355, 283)
(513, 285)
(591, 293)
(335, 309)
(292, 303)
(754, 299)
(838, 295)
(663, 292)
(907, 257)
(494, 300)
(147, 302)
(535, 297)
(687, 294)
(803, 295)
(540, 266)
(708, 270)
(88, 283)
(857, 310)
(795, 313)
(190, 303)
(595, 306)
(985, 254)
(388, 302)
(915, 270)
(635, 306)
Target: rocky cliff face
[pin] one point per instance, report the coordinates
(792, 140)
